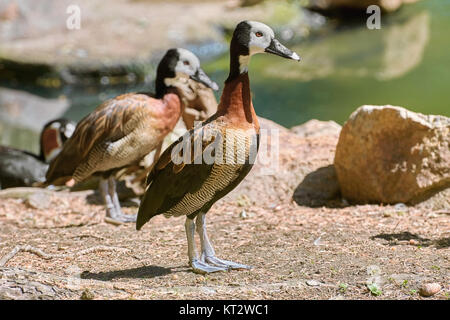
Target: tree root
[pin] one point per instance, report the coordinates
(47, 256)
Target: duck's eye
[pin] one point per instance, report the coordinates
(186, 63)
(258, 34)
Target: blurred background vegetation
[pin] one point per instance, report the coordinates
(49, 71)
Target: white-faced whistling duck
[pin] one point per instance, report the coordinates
(123, 130)
(178, 188)
(20, 168)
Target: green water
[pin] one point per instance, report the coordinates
(405, 63)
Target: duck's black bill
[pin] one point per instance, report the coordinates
(200, 76)
(277, 48)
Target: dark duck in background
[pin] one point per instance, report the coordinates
(19, 168)
(123, 130)
(179, 188)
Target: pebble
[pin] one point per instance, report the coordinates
(38, 201)
(337, 298)
(400, 206)
(313, 283)
(429, 289)
(373, 270)
(413, 242)
(208, 290)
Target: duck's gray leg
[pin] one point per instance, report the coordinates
(109, 194)
(197, 265)
(107, 200)
(208, 255)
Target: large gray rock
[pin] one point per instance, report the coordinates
(389, 154)
(386, 5)
(317, 128)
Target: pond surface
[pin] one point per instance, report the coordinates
(405, 63)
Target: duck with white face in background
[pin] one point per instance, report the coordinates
(123, 130)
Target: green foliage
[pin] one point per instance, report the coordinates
(374, 289)
(343, 287)
(436, 268)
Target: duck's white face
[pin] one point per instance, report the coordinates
(188, 63)
(188, 67)
(69, 129)
(53, 137)
(260, 37)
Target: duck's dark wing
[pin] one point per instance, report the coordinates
(109, 122)
(19, 168)
(169, 182)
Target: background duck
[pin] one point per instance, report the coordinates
(178, 188)
(203, 106)
(19, 168)
(123, 130)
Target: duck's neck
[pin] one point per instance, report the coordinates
(238, 65)
(173, 102)
(51, 144)
(160, 88)
(236, 101)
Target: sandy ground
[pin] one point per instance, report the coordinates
(331, 251)
(297, 252)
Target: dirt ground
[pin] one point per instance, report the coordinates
(328, 250)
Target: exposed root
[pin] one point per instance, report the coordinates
(47, 256)
(24, 248)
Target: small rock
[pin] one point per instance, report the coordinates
(174, 277)
(243, 214)
(38, 200)
(208, 290)
(400, 207)
(373, 270)
(317, 128)
(429, 289)
(413, 242)
(313, 283)
(337, 298)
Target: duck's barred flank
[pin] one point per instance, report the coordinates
(121, 131)
(223, 173)
(131, 148)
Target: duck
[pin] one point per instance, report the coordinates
(201, 106)
(123, 130)
(210, 160)
(20, 168)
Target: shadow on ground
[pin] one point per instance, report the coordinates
(395, 238)
(319, 188)
(141, 272)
